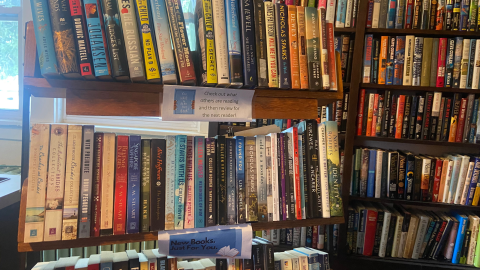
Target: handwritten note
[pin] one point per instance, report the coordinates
(186, 103)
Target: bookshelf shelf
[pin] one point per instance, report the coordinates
(410, 262)
(344, 30)
(359, 140)
(420, 32)
(418, 88)
(417, 203)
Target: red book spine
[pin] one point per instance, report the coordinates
(314, 236)
(370, 229)
(436, 180)
(408, 14)
(442, 51)
(461, 120)
(360, 112)
(375, 116)
(97, 184)
(289, 123)
(399, 121)
(296, 168)
(121, 180)
(93, 267)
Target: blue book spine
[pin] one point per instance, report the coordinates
(248, 44)
(400, 14)
(233, 41)
(367, 58)
(180, 170)
(199, 181)
(341, 11)
(283, 49)
(278, 265)
(390, 61)
(302, 176)
(279, 123)
(464, 11)
(474, 180)
(449, 62)
(240, 176)
(44, 37)
(289, 236)
(231, 183)
(409, 178)
(96, 35)
(462, 228)
(338, 44)
(106, 266)
(133, 195)
(372, 159)
(471, 63)
(473, 125)
(457, 65)
(399, 61)
(392, 12)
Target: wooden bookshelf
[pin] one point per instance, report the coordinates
(349, 30)
(418, 88)
(417, 203)
(423, 33)
(409, 262)
(360, 140)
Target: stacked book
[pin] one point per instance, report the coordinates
(405, 176)
(423, 14)
(394, 231)
(432, 116)
(231, 43)
(422, 61)
(84, 184)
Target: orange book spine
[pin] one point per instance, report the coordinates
(382, 65)
(332, 70)
(399, 121)
(375, 115)
(371, 99)
(294, 64)
(302, 47)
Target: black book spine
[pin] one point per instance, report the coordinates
(378, 233)
(419, 119)
(161, 264)
(344, 56)
(391, 236)
(349, 61)
(211, 182)
(432, 177)
(221, 181)
(406, 116)
(157, 184)
(402, 166)
(288, 179)
(409, 176)
(441, 118)
(82, 43)
(443, 239)
(413, 115)
(114, 35)
(116, 265)
(258, 256)
(417, 179)
(283, 236)
(392, 194)
(431, 240)
(393, 117)
(260, 44)
(283, 51)
(317, 169)
(312, 176)
(248, 44)
(365, 113)
(438, 238)
(376, 54)
(383, 191)
(343, 125)
(427, 116)
(450, 62)
(386, 113)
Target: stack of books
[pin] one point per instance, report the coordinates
(423, 14)
(433, 116)
(402, 175)
(393, 231)
(104, 184)
(422, 61)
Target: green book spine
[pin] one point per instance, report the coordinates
(145, 188)
(333, 164)
(426, 62)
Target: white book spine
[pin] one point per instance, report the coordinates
(221, 50)
(384, 236)
(464, 63)
(322, 139)
(448, 181)
(296, 237)
(422, 228)
(378, 173)
(55, 183)
(474, 220)
(267, 234)
(108, 181)
(170, 184)
(437, 99)
(476, 68)
(303, 237)
(402, 243)
(407, 70)
(397, 236)
(268, 165)
(190, 187)
(72, 182)
(388, 173)
(466, 185)
(457, 161)
(261, 176)
(376, 13)
(461, 179)
(276, 213)
(348, 14)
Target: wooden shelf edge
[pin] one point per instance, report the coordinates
(344, 30)
(422, 32)
(418, 88)
(416, 203)
(419, 262)
(362, 139)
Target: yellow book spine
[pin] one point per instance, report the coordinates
(294, 64)
(209, 42)
(271, 45)
(151, 64)
(382, 69)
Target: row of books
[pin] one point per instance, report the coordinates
(403, 175)
(460, 15)
(215, 42)
(393, 231)
(419, 61)
(346, 15)
(422, 117)
(178, 182)
(344, 46)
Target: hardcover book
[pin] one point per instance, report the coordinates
(85, 183)
(313, 48)
(121, 182)
(399, 60)
(293, 47)
(134, 182)
(260, 43)
(302, 48)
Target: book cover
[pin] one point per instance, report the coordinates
(382, 69)
(231, 183)
(324, 180)
(121, 182)
(332, 62)
(471, 63)
(199, 163)
(464, 11)
(233, 41)
(302, 48)
(409, 9)
(392, 11)
(170, 152)
(221, 180)
(85, 182)
(313, 48)
(82, 46)
(441, 62)
(283, 54)
(107, 184)
(390, 61)
(457, 66)
(260, 43)
(449, 62)
(261, 178)
(418, 72)
(97, 185)
(134, 181)
(207, 70)
(221, 49)
(180, 179)
(273, 80)
(399, 60)
(427, 113)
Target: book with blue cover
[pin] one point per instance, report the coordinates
(399, 60)
(473, 181)
(240, 177)
(457, 62)
(471, 63)
(464, 12)
(233, 41)
(400, 16)
(392, 12)
(231, 183)
(473, 125)
(462, 229)
(133, 195)
(390, 61)
(180, 171)
(372, 159)
(199, 148)
(341, 13)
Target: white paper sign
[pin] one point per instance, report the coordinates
(233, 241)
(187, 103)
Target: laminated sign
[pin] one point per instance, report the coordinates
(214, 242)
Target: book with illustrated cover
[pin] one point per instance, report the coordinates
(146, 183)
(233, 41)
(283, 54)
(86, 182)
(272, 64)
(121, 182)
(399, 60)
(457, 62)
(221, 49)
(382, 66)
(390, 69)
(82, 45)
(260, 43)
(206, 52)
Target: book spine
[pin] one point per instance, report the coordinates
(464, 64)
(434, 61)
(457, 66)
(440, 19)
(221, 181)
(206, 71)
(261, 178)
(461, 121)
(185, 66)
(293, 47)
(190, 186)
(82, 46)
(400, 16)
(332, 69)
(221, 49)
(302, 48)
(413, 117)
(392, 10)
(62, 28)
(427, 116)
(386, 114)
(231, 183)
(281, 15)
(449, 65)
(311, 175)
(468, 118)
(273, 80)
(296, 173)
(251, 207)
(473, 124)
(260, 43)
(370, 13)
(348, 14)
(471, 63)
(375, 58)
(121, 182)
(325, 196)
(275, 184)
(133, 195)
(473, 182)
(313, 48)
(382, 71)
(161, 184)
(233, 38)
(448, 15)
(399, 60)
(441, 62)
(290, 176)
(248, 43)
(399, 116)
(180, 179)
(97, 185)
(433, 13)
(464, 11)
(435, 115)
(372, 160)
(85, 183)
(344, 55)
(169, 179)
(406, 117)
(199, 181)
(417, 63)
(393, 114)
(473, 16)
(409, 9)
(367, 60)
(390, 61)
(425, 15)
(55, 187)
(211, 182)
(146, 183)
(340, 14)
(409, 54)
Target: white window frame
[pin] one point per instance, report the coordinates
(14, 117)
